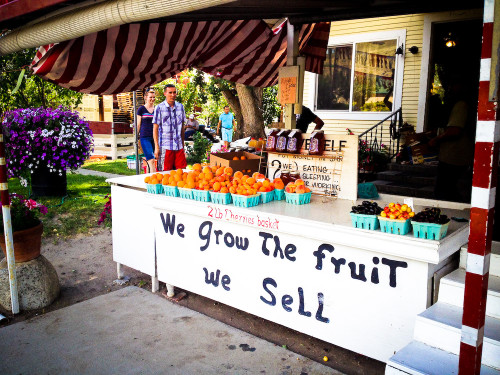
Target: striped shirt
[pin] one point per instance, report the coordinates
(170, 121)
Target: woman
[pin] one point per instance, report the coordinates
(145, 128)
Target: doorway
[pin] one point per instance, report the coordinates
(455, 54)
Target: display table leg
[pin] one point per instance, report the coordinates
(119, 270)
(155, 286)
(170, 290)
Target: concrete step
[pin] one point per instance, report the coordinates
(395, 176)
(419, 169)
(421, 180)
(494, 260)
(418, 358)
(451, 291)
(441, 324)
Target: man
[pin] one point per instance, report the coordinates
(192, 126)
(226, 119)
(306, 118)
(168, 131)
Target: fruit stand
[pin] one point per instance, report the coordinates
(303, 266)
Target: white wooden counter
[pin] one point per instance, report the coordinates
(304, 267)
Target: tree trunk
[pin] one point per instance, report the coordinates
(235, 106)
(250, 103)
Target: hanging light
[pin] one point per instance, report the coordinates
(449, 41)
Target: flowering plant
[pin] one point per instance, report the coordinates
(369, 158)
(24, 212)
(106, 213)
(44, 137)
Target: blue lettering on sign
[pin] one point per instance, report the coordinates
(213, 278)
(230, 240)
(358, 270)
(287, 301)
(169, 225)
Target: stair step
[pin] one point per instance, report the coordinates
(421, 180)
(421, 170)
(441, 324)
(425, 192)
(418, 359)
(396, 176)
(451, 291)
(494, 260)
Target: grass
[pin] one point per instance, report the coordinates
(110, 166)
(78, 212)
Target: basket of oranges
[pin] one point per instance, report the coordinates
(153, 183)
(297, 192)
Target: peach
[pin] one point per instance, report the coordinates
(301, 189)
(299, 182)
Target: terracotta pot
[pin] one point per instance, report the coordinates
(27, 243)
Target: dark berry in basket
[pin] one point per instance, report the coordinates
(431, 215)
(366, 208)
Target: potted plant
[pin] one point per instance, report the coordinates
(27, 228)
(42, 143)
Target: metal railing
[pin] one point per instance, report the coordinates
(382, 138)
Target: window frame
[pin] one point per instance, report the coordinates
(334, 41)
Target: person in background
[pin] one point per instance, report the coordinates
(456, 148)
(168, 131)
(307, 116)
(192, 126)
(226, 119)
(145, 128)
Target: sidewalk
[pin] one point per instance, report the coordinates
(89, 172)
(132, 331)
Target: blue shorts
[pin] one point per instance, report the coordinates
(227, 134)
(148, 147)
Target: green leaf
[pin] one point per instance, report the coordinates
(19, 80)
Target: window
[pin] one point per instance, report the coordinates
(361, 76)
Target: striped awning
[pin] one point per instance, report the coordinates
(132, 56)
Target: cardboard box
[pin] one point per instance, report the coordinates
(225, 159)
(422, 153)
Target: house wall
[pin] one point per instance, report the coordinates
(418, 33)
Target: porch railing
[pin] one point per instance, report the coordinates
(383, 138)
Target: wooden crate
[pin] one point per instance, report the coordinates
(113, 146)
(103, 127)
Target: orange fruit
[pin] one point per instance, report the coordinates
(177, 177)
(243, 157)
(217, 186)
(266, 183)
(236, 158)
(224, 190)
(147, 179)
(244, 178)
(232, 190)
(238, 174)
(219, 171)
(279, 185)
(228, 171)
(181, 184)
(179, 172)
(154, 181)
(190, 185)
(207, 170)
(250, 181)
(197, 167)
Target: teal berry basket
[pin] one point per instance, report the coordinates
(429, 231)
(394, 226)
(171, 191)
(279, 194)
(201, 195)
(369, 222)
(267, 196)
(295, 198)
(220, 198)
(185, 193)
(154, 188)
(246, 200)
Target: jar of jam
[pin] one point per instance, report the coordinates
(285, 176)
(294, 141)
(317, 143)
(282, 140)
(271, 140)
(294, 176)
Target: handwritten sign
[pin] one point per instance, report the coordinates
(334, 173)
(288, 90)
(324, 289)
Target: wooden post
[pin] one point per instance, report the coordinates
(484, 185)
(292, 39)
(7, 226)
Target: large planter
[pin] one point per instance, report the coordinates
(27, 243)
(45, 183)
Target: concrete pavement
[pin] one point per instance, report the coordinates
(132, 331)
(89, 172)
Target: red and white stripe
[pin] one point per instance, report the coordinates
(132, 56)
(484, 186)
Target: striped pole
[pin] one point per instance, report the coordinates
(7, 225)
(484, 184)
